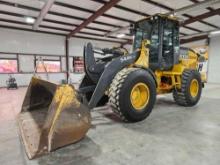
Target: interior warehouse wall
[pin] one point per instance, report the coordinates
(214, 60)
(17, 41)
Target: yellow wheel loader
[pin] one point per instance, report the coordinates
(56, 115)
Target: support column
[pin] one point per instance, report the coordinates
(67, 58)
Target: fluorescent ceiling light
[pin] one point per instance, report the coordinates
(120, 35)
(29, 20)
(215, 32)
(172, 14)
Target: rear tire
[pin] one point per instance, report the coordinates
(186, 96)
(121, 91)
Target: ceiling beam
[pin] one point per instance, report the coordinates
(92, 11)
(193, 39)
(60, 29)
(171, 10)
(98, 13)
(204, 22)
(48, 4)
(48, 20)
(158, 5)
(52, 13)
(30, 30)
(210, 9)
(124, 8)
(209, 33)
(202, 16)
(59, 34)
(193, 29)
(197, 6)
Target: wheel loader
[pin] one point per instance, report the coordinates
(53, 115)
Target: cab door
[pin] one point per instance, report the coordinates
(170, 44)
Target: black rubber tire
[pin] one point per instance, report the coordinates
(120, 89)
(183, 97)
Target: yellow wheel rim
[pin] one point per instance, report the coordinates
(194, 88)
(139, 96)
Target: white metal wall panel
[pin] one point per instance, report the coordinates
(26, 63)
(18, 10)
(30, 42)
(213, 20)
(13, 18)
(52, 30)
(2, 55)
(93, 31)
(65, 10)
(142, 6)
(215, 6)
(201, 26)
(30, 3)
(63, 64)
(76, 78)
(71, 64)
(83, 3)
(62, 19)
(112, 21)
(15, 25)
(214, 60)
(187, 31)
(197, 12)
(175, 4)
(100, 26)
(195, 44)
(124, 14)
(56, 25)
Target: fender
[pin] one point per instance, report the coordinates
(108, 75)
(150, 71)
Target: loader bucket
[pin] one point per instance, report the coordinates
(51, 117)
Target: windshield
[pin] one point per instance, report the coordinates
(148, 29)
(143, 31)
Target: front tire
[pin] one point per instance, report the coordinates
(132, 94)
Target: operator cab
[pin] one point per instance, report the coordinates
(163, 34)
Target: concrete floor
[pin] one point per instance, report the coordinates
(171, 135)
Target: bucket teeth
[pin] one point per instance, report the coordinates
(51, 117)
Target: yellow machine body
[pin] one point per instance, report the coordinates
(191, 62)
(51, 117)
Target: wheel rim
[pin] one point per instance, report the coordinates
(194, 88)
(139, 96)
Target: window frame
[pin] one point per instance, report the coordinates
(17, 70)
(73, 64)
(51, 60)
(6, 55)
